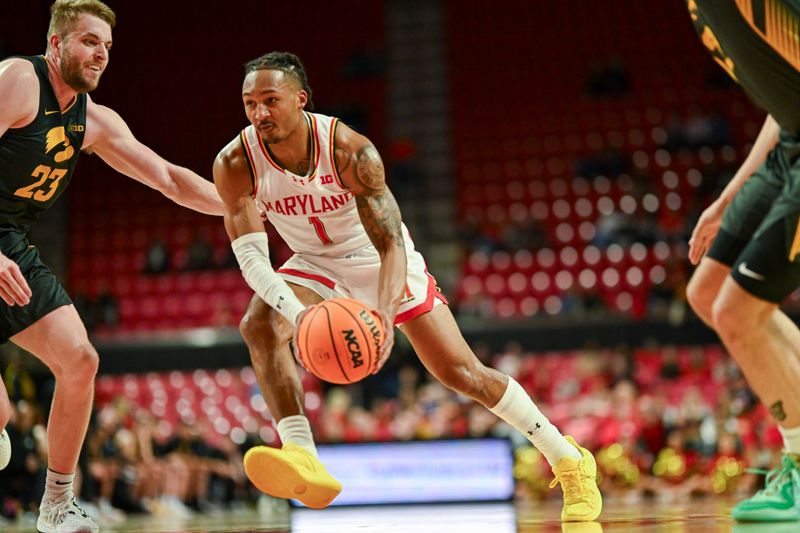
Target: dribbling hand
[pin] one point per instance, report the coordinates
(706, 230)
(14, 289)
(388, 339)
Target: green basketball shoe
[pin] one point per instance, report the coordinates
(778, 501)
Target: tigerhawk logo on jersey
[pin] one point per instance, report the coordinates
(56, 137)
(306, 204)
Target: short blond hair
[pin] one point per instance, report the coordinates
(64, 14)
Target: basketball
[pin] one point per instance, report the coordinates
(338, 340)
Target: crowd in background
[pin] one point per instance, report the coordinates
(663, 422)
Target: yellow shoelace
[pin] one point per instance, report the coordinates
(570, 483)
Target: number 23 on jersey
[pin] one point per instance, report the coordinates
(47, 185)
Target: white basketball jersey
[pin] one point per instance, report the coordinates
(314, 214)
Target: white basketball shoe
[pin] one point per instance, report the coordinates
(5, 449)
(64, 517)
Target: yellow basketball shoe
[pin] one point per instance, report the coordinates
(578, 478)
(291, 472)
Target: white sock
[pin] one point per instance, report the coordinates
(297, 430)
(791, 439)
(57, 487)
(517, 408)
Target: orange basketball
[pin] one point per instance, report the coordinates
(338, 340)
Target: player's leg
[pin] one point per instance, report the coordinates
(59, 339)
(267, 334)
(753, 330)
(704, 287)
(293, 471)
(440, 346)
(748, 328)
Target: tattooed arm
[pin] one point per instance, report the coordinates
(361, 170)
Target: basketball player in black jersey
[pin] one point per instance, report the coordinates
(46, 119)
(748, 241)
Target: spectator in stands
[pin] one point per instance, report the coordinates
(621, 366)
(659, 300)
(669, 370)
(478, 306)
(105, 460)
(612, 228)
(404, 174)
(610, 78)
(186, 446)
(676, 468)
(674, 129)
(19, 382)
(643, 228)
(23, 479)
(652, 432)
(200, 254)
(666, 300)
(724, 471)
(609, 162)
(83, 306)
(478, 235)
(106, 308)
(157, 260)
(703, 129)
(227, 479)
(365, 62)
(165, 476)
(223, 314)
(525, 234)
(127, 495)
(697, 129)
(587, 303)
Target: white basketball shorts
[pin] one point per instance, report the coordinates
(356, 276)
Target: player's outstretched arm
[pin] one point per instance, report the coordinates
(246, 231)
(108, 136)
(361, 170)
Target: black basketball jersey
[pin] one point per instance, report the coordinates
(37, 160)
(756, 42)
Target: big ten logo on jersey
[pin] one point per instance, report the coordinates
(327, 179)
(46, 185)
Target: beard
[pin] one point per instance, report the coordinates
(71, 72)
(272, 136)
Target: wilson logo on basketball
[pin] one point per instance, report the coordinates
(375, 331)
(353, 348)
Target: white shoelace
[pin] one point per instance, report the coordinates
(62, 510)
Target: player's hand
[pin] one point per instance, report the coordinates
(295, 346)
(385, 349)
(14, 289)
(706, 230)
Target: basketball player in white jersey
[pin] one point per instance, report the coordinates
(322, 186)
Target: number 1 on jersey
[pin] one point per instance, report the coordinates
(320, 229)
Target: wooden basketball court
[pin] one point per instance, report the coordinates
(706, 516)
